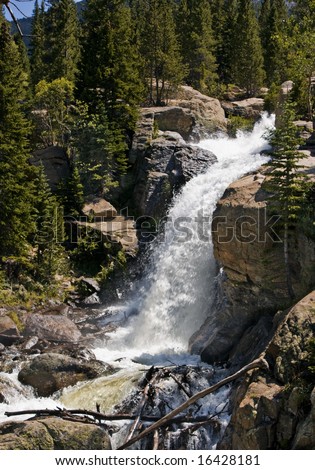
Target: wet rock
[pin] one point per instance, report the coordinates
(92, 300)
(50, 372)
(52, 434)
(52, 328)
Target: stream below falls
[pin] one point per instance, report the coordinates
(171, 302)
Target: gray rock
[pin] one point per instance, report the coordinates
(99, 208)
(52, 434)
(8, 327)
(55, 163)
(50, 372)
(52, 328)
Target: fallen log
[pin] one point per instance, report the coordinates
(103, 417)
(259, 363)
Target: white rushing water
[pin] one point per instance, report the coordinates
(181, 279)
(175, 298)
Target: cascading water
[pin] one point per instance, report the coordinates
(180, 285)
(177, 294)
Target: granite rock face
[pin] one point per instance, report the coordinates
(276, 409)
(248, 246)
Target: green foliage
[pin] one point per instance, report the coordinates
(16, 175)
(110, 62)
(50, 256)
(159, 47)
(272, 99)
(100, 151)
(52, 111)
(273, 21)
(71, 193)
(247, 67)
(38, 44)
(194, 24)
(62, 48)
(239, 123)
(287, 182)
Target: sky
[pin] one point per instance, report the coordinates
(25, 6)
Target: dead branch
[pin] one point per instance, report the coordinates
(257, 364)
(66, 414)
(156, 440)
(151, 377)
(181, 386)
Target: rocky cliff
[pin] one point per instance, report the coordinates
(276, 409)
(249, 248)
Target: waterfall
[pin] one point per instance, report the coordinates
(180, 284)
(175, 297)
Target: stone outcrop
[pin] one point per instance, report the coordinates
(52, 434)
(55, 163)
(249, 248)
(50, 372)
(207, 112)
(250, 108)
(164, 165)
(56, 328)
(276, 409)
(99, 208)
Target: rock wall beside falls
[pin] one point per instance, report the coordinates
(275, 409)
(249, 249)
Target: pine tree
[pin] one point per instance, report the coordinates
(194, 23)
(218, 11)
(228, 57)
(16, 175)
(247, 69)
(110, 72)
(62, 48)
(49, 229)
(159, 47)
(38, 44)
(273, 22)
(286, 181)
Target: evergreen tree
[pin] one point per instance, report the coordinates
(228, 57)
(218, 11)
(38, 44)
(194, 23)
(159, 47)
(110, 72)
(62, 48)
(286, 181)
(273, 22)
(16, 187)
(49, 229)
(247, 69)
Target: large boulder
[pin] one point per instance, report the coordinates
(52, 434)
(50, 372)
(52, 328)
(250, 108)
(99, 208)
(207, 112)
